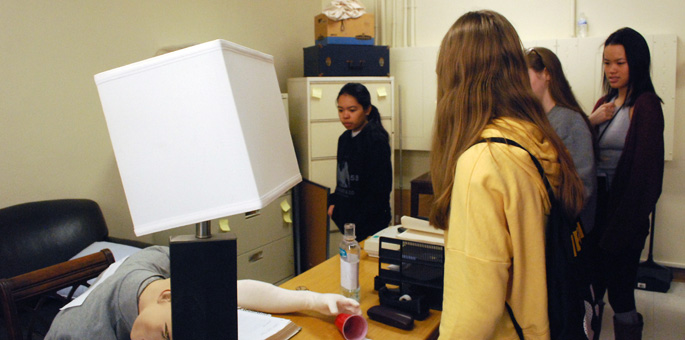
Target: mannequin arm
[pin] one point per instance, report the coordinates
(265, 297)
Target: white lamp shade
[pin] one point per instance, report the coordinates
(198, 134)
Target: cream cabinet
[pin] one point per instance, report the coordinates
(315, 126)
(265, 240)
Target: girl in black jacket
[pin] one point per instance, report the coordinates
(364, 171)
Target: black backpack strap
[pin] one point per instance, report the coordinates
(562, 244)
(541, 170)
(517, 327)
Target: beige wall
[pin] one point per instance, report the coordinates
(53, 138)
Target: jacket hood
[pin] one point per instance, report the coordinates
(530, 137)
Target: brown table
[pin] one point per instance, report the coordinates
(421, 185)
(325, 278)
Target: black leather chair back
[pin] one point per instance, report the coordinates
(40, 234)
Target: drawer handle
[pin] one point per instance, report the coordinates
(252, 214)
(257, 256)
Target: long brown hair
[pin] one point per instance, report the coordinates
(540, 59)
(482, 75)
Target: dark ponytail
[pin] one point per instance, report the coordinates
(363, 97)
(374, 116)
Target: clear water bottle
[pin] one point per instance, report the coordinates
(349, 263)
(582, 26)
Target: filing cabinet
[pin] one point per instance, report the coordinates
(265, 241)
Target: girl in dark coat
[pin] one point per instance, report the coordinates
(364, 171)
(630, 125)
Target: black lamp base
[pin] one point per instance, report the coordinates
(204, 294)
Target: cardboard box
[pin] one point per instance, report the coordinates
(351, 28)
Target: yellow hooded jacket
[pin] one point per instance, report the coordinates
(495, 244)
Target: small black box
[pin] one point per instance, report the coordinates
(346, 60)
(653, 277)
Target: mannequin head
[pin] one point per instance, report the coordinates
(154, 313)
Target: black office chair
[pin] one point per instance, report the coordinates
(37, 241)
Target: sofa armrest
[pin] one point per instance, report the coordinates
(47, 280)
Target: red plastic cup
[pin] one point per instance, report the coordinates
(352, 326)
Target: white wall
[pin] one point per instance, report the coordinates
(53, 138)
(545, 19)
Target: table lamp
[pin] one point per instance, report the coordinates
(199, 134)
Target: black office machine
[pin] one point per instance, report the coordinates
(410, 276)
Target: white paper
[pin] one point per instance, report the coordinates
(120, 251)
(104, 276)
(259, 326)
(344, 9)
(420, 225)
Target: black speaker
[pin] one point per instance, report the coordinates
(652, 276)
(204, 294)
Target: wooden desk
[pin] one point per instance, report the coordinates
(325, 278)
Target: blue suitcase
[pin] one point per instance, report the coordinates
(345, 41)
(346, 60)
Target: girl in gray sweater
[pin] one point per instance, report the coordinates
(568, 120)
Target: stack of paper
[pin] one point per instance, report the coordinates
(262, 326)
(421, 231)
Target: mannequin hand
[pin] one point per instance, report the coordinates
(603, 113)
(333, 304)
(265, 297)
(330, 210)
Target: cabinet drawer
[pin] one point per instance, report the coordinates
(323, 96)
(325, 138)
(266, 226)
(323, 100)
(381, 97)
(270, 263)
(324, 173)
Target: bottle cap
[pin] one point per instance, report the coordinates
(349, 231)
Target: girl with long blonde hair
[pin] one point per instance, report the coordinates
(489, 197)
